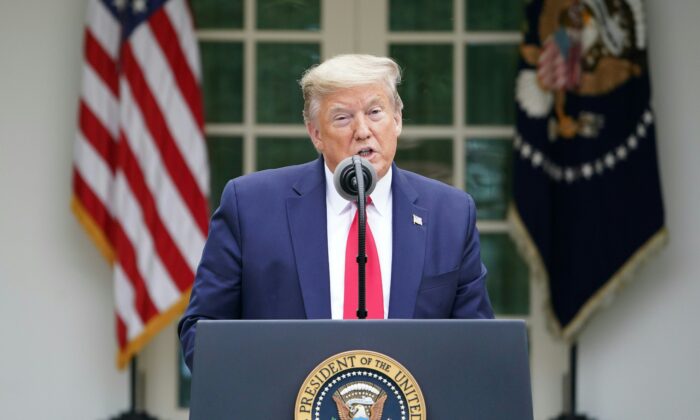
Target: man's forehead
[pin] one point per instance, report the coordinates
(349, 97)
(364, 102)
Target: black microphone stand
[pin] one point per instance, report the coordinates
(570, 411)
(361, 231)
(133, 414)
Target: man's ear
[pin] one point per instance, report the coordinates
(315, 136)
(398, 121)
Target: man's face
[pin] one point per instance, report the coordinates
(358, 120)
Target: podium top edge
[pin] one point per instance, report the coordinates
(371, 321)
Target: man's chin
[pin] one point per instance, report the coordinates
(380, 169)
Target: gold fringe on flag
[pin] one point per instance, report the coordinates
(151, 329)
(93, 229)
(602, 297)
(156, 324)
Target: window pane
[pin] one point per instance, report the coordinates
(280, 66)
(426, 88)
(489, 175)
(431, 158)
(289, 14)
(276, 152)
(493, 15)
(420, 15)
(491, 83)
(225, 162)
(222, 73)
(218, 14)
(507, 280)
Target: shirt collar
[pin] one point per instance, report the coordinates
(381, 195)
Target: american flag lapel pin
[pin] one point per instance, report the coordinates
(417, 220)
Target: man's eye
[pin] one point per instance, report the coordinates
(341, 120)
(375, 113)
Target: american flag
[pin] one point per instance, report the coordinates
(140, 171)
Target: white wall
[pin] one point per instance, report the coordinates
(57, 351)
(639, 358)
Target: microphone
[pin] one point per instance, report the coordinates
(357, 188)
(346, 182)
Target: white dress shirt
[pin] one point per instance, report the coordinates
(339, 215)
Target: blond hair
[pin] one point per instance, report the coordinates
(347, 71)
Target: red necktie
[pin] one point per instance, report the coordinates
(373, 275)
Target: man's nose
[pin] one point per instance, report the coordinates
(362, 131)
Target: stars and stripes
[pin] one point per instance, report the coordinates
(141, 174)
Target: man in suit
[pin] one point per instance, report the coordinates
(281, 243)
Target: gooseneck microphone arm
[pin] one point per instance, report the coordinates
(354, 179)
(361, 232)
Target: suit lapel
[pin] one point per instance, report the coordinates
(306, 212)
(408, 251)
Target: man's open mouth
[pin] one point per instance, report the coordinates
(366, 152)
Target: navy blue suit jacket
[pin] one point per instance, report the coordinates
(266, 256)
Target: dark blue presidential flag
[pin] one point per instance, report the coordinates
(586, 180)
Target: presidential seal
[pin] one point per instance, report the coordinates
(360, 385)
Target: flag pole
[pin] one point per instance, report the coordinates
(570, 408)
(133, 414)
